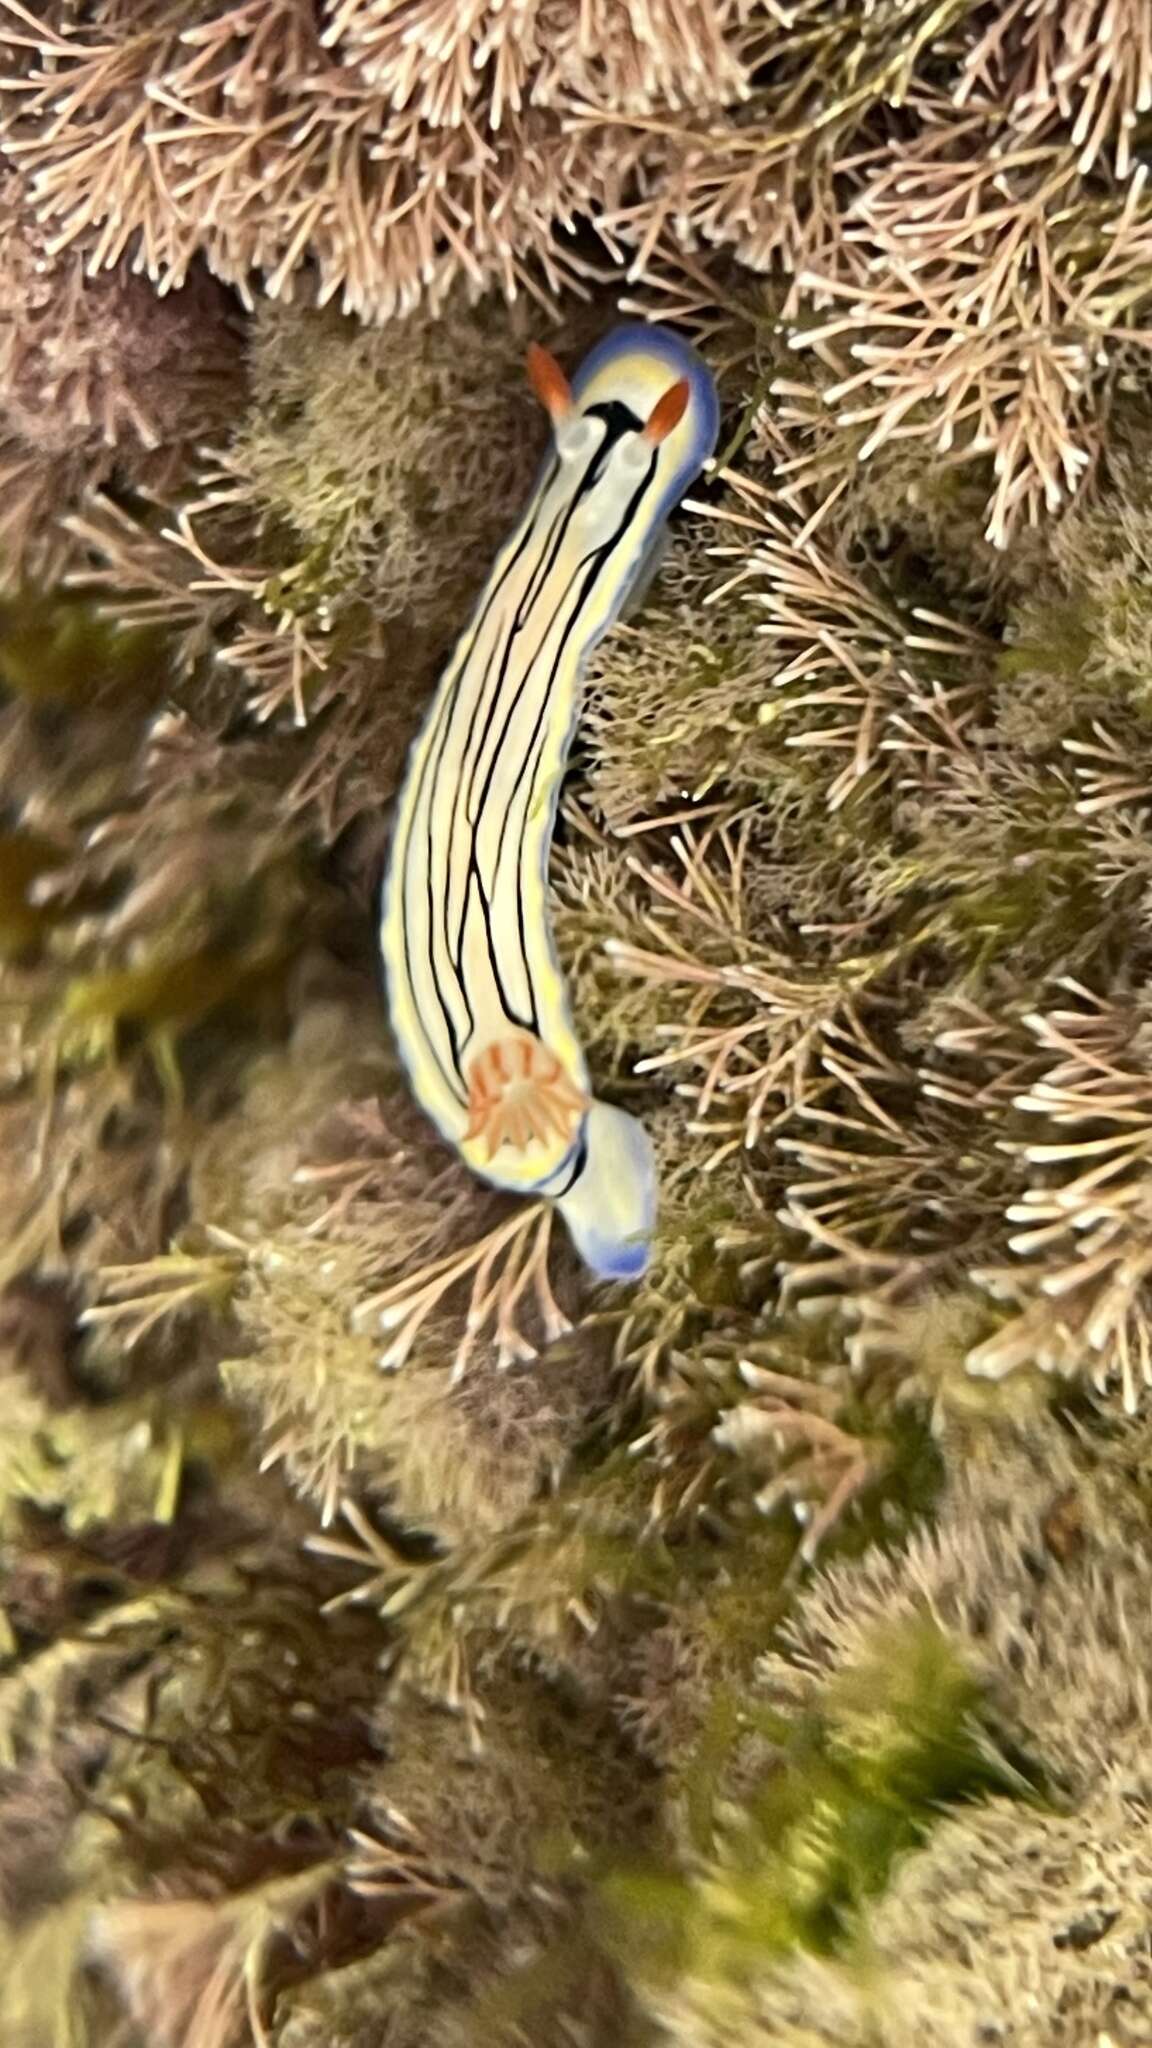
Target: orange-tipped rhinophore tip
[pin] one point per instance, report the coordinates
(668, 411)
(549, 382)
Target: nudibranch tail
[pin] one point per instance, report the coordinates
(610, 1210)
(478, 1005)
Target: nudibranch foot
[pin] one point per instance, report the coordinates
(610, 1211)
(518, 1095)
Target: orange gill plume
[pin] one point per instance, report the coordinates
(519, 1092)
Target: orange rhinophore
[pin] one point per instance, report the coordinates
(549, 382)
(517, 1092)
(668, 412)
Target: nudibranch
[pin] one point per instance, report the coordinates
(476, 997)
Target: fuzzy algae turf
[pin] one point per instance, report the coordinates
(768, 1657)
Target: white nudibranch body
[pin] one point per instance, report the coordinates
(477, 1002)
